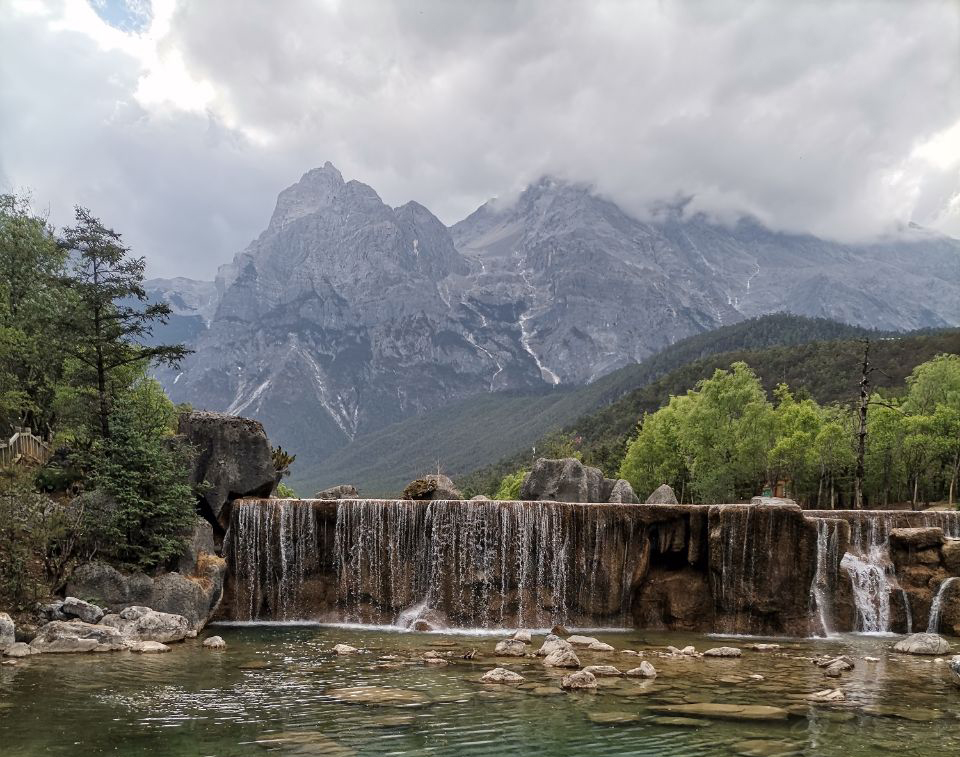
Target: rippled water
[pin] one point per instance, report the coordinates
(275, 690)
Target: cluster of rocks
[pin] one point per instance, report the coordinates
(569, 480)
(75, 625)
(924, 560)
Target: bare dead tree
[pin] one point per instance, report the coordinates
(865, 370)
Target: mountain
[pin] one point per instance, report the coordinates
(482, 430)
(192, 303)
(346, 315)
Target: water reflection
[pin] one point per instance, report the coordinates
(280, 690)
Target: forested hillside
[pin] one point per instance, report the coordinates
(827, 371)
(481, 430)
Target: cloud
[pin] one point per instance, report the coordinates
(836, 118)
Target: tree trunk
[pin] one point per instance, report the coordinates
(862, 431)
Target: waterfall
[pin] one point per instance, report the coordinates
(935, 609)
(272, 558)
(872, 576)
(825, 578)
(907, 611)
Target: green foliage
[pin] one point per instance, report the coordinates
(144, 471)
(286, 492)
(282, 460)
(509, 488)
(104, 328)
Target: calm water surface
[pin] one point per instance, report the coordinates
(278, 690)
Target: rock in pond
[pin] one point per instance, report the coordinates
(722, 711)
(600, 646)
(523, 635)
(923, 643)
(144, 624)
(551, 644)
(510, 648)
(602, 671)
(19, 649)
(643, 670)
(8, 635)
(214, 642)
(562, 658)
(147, 647)
(85, 611)
(827, 695)
(379, 695)
(582, 641)
(68, 636)
(579, 680)
(723, 652)
(612, 718)
(345, 649)
(953, 666)
(502, 675)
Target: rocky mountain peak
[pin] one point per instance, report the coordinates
(316, 189)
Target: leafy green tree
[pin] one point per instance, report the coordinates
(110, 318)
(835, 454)
(30, 294)
(509, 488)
(794, 455)
(655, 455)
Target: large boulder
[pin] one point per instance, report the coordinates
(344, 491)
(951, 556)
(67, 636)
(146, 624)
(562, 480)
(662, 495)
(8, 635)
(233, 460)
(923, 643)
(434, 486)
(194, 597)
(200, 542)
(622, 493)
(85, 611)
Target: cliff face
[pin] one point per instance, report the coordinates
(345, 314)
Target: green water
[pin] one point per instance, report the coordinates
(274, 690)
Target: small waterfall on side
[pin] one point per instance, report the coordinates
(825, 578)
(870, 568)
(907, 611)
(936, 608)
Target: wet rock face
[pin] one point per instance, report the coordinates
(7, 632)
(233, 460)
(917, 538)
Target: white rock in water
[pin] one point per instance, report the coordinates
(581, 641)
(551, 644)
(77, 608)
(562, 658)
(688, 651)
(582, 679)
(827, 695)
(603, 670)
(510, 648)
(523, 635)
(19, 649)
(923, 643)
(599, 646)
(214, 642)
(147, 647)
(723, 652)
(644, 670)
(345, 649)
(502, 675)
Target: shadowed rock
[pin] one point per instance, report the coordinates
(432, 487)
(233, 460)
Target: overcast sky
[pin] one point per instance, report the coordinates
(179, 122)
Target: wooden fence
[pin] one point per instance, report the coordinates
(24, 448)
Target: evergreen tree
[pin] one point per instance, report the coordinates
(104, 329)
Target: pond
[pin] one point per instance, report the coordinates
(280, 690)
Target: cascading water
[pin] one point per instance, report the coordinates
(872, 577)
(937, 607)
(825, 578)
